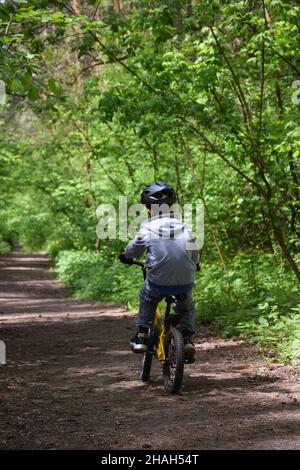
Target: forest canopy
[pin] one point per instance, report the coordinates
(101, 97)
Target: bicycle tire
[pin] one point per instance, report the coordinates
(146, 366)
(173, 367)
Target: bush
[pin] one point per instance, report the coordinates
(4, 246)
(258, 299)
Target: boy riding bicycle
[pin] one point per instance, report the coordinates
(171, 262)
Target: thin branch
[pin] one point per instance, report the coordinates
(92, 150)
(218, 151)
(232, 129)
(262, 80)
(100, 62)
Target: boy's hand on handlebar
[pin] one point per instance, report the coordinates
(125, 260)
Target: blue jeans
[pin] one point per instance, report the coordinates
(184, 306)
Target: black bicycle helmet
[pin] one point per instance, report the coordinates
(158, 192)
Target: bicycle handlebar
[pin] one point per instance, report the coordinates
(138, 263)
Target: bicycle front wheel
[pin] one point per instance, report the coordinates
(174, 365)
(146, 366)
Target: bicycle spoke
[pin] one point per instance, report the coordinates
(173, 368)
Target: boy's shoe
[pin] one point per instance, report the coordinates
(189, 350)
(139, 343)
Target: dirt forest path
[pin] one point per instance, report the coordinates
(71, 381)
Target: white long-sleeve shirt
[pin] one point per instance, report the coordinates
(171, 252)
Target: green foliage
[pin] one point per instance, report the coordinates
(258, 299)
(254, 300)
(99, 277)
(4, 246)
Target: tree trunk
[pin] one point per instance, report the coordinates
(279, 235)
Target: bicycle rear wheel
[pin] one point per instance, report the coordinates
(174, 365)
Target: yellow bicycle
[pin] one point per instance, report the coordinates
(166, 343)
